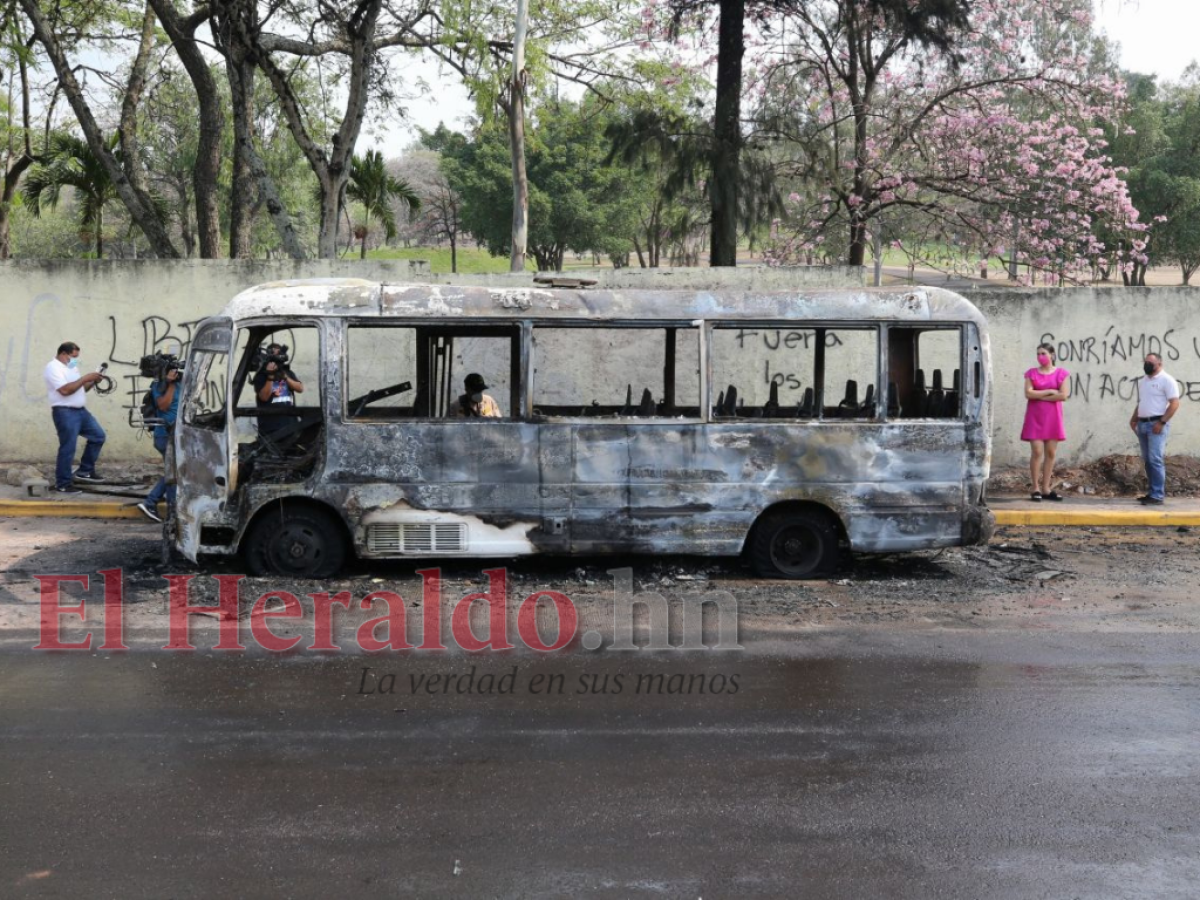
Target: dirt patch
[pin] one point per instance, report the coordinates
(1110, 476)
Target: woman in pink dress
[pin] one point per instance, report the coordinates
(1046, 387)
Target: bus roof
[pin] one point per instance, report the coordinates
(353, 297)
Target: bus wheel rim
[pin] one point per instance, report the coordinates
(298, 548)
(796, 549)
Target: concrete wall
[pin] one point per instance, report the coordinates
(120, 310)
(1101, 335)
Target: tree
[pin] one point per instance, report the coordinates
(377, 190)
(1001, 149)
(440, 215)
(206, 164)
(351, 34)
(574, 194)
(553, 40)
(928, 22)
(18, 135)
(170, 145)
(237, 31)
(512, 101)
(672, 151)
(1159, 142)
(141, 206)
(70, 163)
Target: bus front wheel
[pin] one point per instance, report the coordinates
(299, 542)
(794, 544)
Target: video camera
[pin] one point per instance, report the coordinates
(280, 358)
(157, 365)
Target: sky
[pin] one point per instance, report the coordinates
(1156, 36)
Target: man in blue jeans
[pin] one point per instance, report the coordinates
(1158, 401)
(66, 389)
(165, 394)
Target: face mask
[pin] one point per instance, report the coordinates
(477, 397)
(1043, 359)
(74, 363)
(1148, 368)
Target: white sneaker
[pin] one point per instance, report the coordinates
(149, 512)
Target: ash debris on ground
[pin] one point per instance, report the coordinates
(1093, 578)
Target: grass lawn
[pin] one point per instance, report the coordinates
(470, 260)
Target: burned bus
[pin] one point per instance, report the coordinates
(788, 427)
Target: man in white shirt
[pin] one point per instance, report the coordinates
(1158, 401)
(67, 390)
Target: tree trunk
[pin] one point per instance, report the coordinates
(12, 178)
(453, 254)
(637, 246)
(363, 254)
(207, 171)
(232, 21)
(100, 233)
(241, 193)
(727, 133)
(333, 168)
(142, 212)
(858, 241)
(243, 136)
(515, 108)
(127, 130)
(6, 231)
(186, 235)
(331, 213)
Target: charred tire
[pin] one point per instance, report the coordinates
(800, 543)
(300, 542)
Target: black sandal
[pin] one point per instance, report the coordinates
(1036, 495)
(1053, 495)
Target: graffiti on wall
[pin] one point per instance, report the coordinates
(158, 335)
(122, 344)
(1116, 349)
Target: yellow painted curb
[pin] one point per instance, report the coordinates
(78, 509)
(1098, 517)
(68, 509)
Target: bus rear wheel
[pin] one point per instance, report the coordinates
(795, 544)
(297, 542)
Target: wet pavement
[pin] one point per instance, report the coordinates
(846, 764)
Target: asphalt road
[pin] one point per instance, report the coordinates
(853, 763)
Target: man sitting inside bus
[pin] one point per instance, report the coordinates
(475, 404)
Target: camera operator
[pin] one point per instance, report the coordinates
(164, 393)
(276, 385)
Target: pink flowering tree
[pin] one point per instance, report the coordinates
(720, 28)
(998, 149)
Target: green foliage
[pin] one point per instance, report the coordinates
(69, 163)
(1161, 147)
(577, 199)
(376, 189)
(474, 37)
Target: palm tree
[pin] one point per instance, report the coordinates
(69, 162)
(376, 189)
